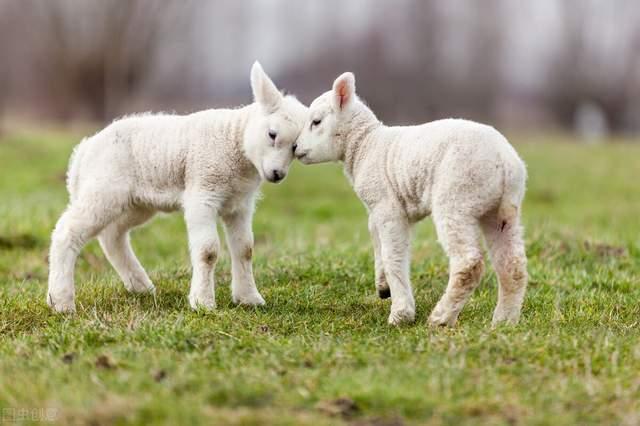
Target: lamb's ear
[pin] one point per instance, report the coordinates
(264, 91)
(344, 90)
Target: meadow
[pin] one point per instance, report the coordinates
(321, 351)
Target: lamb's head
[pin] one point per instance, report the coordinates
(330, 118)
(273, 128)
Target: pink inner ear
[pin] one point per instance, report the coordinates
(342, 93)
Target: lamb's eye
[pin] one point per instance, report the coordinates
(272, 135)
(316, 122)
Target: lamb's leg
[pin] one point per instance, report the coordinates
(240, 243)
(114, 240)
(394, 234)
(77, 225)
(461, 239)
(204, 247)
(381, 280)
(507, 252)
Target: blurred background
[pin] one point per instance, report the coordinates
(548, 65)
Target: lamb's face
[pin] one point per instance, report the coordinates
(319, 140)
(316, 143)
(270, 139)
(273, 129)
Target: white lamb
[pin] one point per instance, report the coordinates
(209, 164)
(465, 174)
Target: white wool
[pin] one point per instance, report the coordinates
(464, 174)
(209, 164)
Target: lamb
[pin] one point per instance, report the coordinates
(210, 164)
(464, 174)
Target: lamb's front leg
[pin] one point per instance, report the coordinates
(240, 242)
(204, 247)
(382, 286)
(394, 234)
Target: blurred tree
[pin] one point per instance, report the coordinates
(4, 71)
(111, 66)
(581, 73)
(95, 57)
(414, 60)
(406, 65)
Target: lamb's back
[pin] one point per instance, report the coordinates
(447, 159)
(469, 162)
(132, 152)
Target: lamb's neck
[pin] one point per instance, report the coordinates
(236, 130)
(359, 132)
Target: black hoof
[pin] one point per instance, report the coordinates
(384, 293)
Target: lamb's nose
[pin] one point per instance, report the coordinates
(295, 145)
(277, 175)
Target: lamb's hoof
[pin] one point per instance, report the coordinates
(140, 286)
(252, 299)
(441, 317)
(384, 293)
(61, 306)
(505, 318)
(401, 316)
(200, 302)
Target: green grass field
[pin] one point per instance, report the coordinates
(573, 359)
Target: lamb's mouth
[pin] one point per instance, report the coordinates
(301, 156)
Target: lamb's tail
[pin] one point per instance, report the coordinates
(74, 169)
(515, 176)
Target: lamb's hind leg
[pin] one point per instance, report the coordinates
(114, 240)
(78, 224)
(507, 252)
(461, 239)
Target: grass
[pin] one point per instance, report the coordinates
(574, 358)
